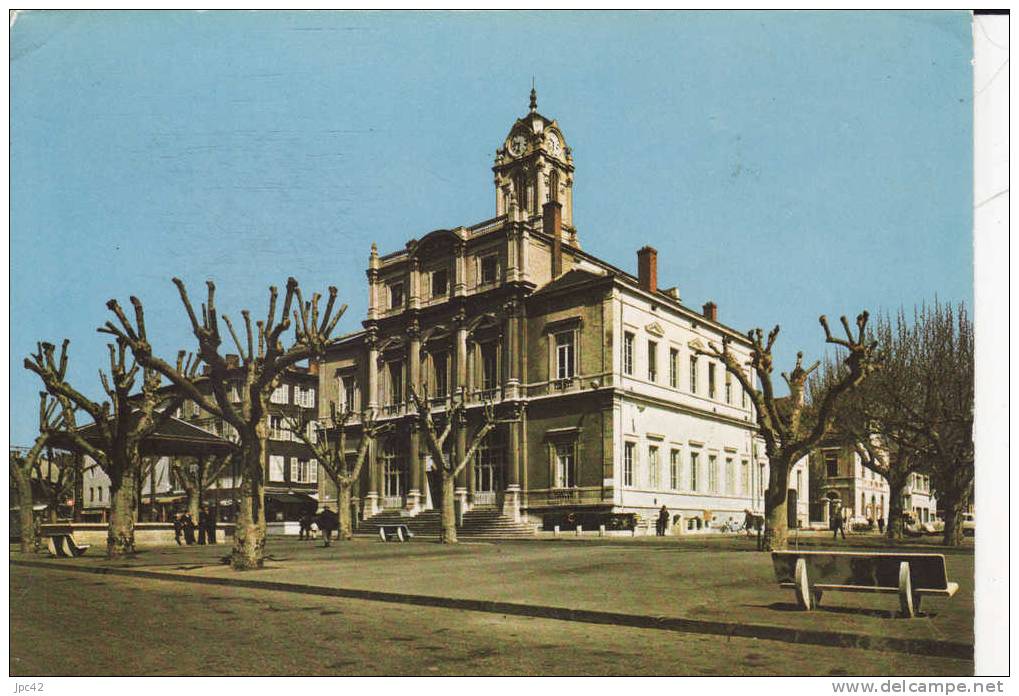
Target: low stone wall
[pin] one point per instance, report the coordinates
(146, 534)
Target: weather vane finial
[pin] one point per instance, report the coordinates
(534, 97)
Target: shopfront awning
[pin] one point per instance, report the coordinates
(290, 498)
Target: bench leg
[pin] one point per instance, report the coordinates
(906, 597)
(817, 598)
(399, 534)
(804, 600)
(52, 546)
(382, 533)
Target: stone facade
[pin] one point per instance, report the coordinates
(513, 312)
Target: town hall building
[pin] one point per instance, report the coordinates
(606, 402)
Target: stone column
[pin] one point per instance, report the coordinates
(511, 350)
(511, 496)
(371, 500)
(461, 388)
(413, 502)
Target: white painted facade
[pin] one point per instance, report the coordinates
(685, 435)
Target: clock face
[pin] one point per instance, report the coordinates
(518, 144)
(554, 145)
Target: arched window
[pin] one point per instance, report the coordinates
(520, 191)
(553, 186)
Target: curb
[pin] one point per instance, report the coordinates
(916, 646)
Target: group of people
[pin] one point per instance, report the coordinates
(327, 522)
(184, 527)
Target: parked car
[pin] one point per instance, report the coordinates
(969, 524)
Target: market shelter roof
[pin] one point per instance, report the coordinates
(173, 438)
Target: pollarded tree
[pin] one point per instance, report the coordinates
(118, 426)
(789, 426)
(944, 414)
(22, 467)
(448, 463)
(327, 438)
(263, 360)
(875, 420)
(195, 475)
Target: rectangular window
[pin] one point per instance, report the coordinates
(653, 468)
(744, 478)
(565, 466)
(728, 389)
(395, 383)
(276, 430)
(395, 295)
(628, 353)
(311, 431)
(489, 366)
(565, 367)
(276, 464)
(694, 473)
(489, 269)
(652, 361)
(629, 451)
(349, 394)
(799, 484)
(743, 392)
(303, 470)
(712, 473)
(730, 476)
(673, 368)
(674, 470)
(711, 380)
(279, 395)
(693, 374)
(440, 370)
(440, 282)
(831, 464)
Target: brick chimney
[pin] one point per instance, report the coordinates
(647, 268)
(552, 225)
(710, 311)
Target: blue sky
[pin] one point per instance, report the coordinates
(784, 164)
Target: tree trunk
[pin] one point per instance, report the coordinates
(895, 531)
(249, 542)
(26, 516)
(194, 498)
(776, 521)
(448, 533)
(249, 535)
(953, 523)
(120, 534)
(346, 532)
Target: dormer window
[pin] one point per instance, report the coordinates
(440, 283)
(396, 295)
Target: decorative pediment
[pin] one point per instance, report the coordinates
(655, 329)
(697, 345)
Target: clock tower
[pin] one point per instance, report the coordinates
(533, 167)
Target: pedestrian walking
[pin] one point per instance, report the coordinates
(305, 527)
(189, 528)
(881, 524)
(178, 528)
(663, 521)
(328, 523)
(210, 526)
(838, 524)
(203, 525)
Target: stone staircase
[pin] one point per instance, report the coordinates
(479, 523)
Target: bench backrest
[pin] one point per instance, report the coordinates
(927, 570)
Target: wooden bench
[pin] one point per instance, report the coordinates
(394, 532)
(912, 576)
(63, 546)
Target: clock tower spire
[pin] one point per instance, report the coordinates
(534, 166)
